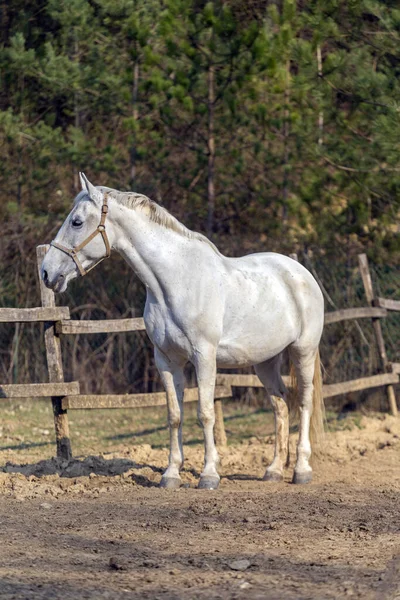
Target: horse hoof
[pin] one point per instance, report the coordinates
(208, 482)
(170, 483)
(302, 477)
(273, 476)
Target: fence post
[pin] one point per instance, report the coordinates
(54, 366)
(369, 292)
(219, 427)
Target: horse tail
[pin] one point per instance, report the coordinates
(317, 429)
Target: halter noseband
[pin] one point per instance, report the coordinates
(73, 252)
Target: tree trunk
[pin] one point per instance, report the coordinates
(211, 151)
(321, 113)
(286, 133)
(77, 116)
(135, 115)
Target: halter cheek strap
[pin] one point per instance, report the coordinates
(100, 229)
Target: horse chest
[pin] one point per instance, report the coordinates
(164, 332)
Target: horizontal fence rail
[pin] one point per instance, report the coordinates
(38, 390)
(355, 385)
(388, 304)
(100, 326)
(328, 390)
(33, 315)
(347, 314)
(239, 380)
(84, 401)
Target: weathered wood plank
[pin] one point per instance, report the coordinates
(238, 380)
(134, 400)
(38, 390)
(395, 367)
(335, 389)
(54, 365)
(354, 313)
(35, 315)
(243, 380)
(84, 401)
(219, 425)
(387, 303)
(366, 277)
(330, 390)
(369, 292)
(100, 326)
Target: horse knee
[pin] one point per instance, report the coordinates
(206, 417)
(279, 405)
(174, 419)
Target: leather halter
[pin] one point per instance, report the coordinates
(100, 229)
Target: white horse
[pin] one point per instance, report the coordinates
(205, 308)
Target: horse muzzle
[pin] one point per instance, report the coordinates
(57, 283)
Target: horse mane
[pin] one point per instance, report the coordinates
(156, 213)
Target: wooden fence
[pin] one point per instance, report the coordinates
(66, 396)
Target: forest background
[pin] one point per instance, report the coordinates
(267, 125)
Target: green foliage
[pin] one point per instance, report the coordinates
(122, 89)
(306, 148)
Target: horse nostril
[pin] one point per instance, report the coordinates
(45, 276)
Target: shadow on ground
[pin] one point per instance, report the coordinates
(25, 446)
(84, 468)
(98, 465)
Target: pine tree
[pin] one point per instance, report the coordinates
(208, 59)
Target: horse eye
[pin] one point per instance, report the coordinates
(77, 222)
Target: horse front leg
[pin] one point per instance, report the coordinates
(172, 375)
(205, 365)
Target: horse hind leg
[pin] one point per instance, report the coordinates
(205, 365)
(270, 375)
(304, 364)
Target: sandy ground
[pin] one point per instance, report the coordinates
(100, 527)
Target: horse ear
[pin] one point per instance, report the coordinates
(83, 180)
(94, 194)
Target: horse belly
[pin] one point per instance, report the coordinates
(252, 347)
(259, 322)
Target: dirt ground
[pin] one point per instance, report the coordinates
(100, 528)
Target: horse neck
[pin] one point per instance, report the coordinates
(151, 250)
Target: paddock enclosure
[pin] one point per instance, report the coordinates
(66, 396)
(92, 523)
